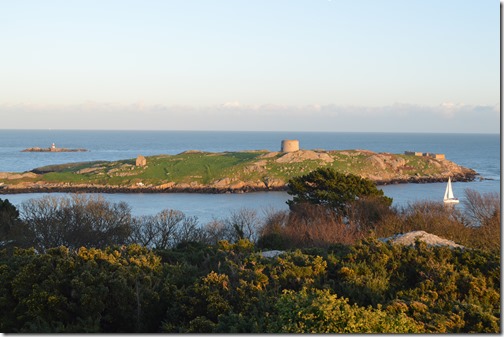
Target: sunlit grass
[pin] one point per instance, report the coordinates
(207, 168)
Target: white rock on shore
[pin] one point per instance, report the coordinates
(409, 239)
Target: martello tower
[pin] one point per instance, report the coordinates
(290, 145)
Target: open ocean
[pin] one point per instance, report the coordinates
(480, 152)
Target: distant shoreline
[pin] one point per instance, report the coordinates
(203, 190)
(49, 149)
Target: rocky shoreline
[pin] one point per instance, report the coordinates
(183, 188)
(50, 149)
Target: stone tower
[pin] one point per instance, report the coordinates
(141, 161)
(289, 145)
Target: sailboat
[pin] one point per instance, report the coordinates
(448, 195)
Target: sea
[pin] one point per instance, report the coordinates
(480, 152)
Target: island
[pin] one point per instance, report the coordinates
(53, 148)
(229, 172)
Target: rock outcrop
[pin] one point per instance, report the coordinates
(409, 239)
(303, 155)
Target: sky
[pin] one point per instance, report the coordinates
(265, 65)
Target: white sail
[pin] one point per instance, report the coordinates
(448, 196)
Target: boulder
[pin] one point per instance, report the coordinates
(272, 253)
(408, 239)
(165, 186)
(377, 162)
(222, 183)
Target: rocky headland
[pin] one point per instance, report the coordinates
(228, 172)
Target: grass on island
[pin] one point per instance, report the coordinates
(206, 168)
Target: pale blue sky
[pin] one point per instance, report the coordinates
(328, 65)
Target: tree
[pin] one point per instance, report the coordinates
(481, 208)
(13, 231)
(483, 216)
(76, 221)
(243, 224)
(165, 230)
(332, 189)
(9, 215)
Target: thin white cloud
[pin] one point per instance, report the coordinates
(231, 105)
(397, 117)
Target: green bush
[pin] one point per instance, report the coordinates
(231, 288)
(319, 311)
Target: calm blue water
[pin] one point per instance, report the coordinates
(480, 152)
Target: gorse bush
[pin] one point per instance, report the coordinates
(370, 287)
(320, 311)
(88, 290)
(444, 288)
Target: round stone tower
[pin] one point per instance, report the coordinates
(289, 145)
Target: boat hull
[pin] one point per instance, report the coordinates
(451, 201)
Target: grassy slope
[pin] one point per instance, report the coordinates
(207, 168)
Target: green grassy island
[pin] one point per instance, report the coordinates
(208, 172)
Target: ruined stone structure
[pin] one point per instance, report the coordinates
(141, 161)
(289, 145)
(434, 155)
(439, 156)
(412, 153)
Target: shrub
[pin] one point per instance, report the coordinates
(165, 230)
(319, 311)
(76, 221)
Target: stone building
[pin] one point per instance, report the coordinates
(413, 153)
(141, 161)
(290, 145)
(439, 156)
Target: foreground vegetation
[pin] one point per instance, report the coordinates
(82, 264)
(362, 288)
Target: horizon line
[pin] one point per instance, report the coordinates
(272, 131)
